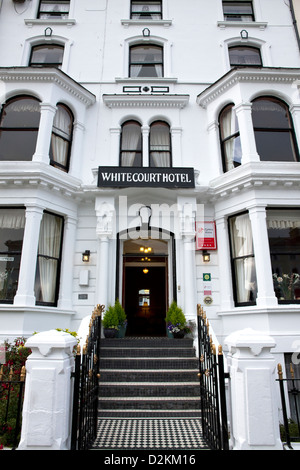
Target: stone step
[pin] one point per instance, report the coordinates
(146, 352)
(149, 403)
(146, 342)
(148, 363)
(142, 375)
(151, 389)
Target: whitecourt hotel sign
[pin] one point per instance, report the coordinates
(121, 177)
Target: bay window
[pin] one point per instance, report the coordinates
(12, 223)
(49, 259)
(284, 240)
(243, 261)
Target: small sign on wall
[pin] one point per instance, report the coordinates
(206, 236)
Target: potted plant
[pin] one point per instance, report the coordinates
(176, 321)
(122, 319)
(110, 322)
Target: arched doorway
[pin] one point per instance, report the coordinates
(147, 270)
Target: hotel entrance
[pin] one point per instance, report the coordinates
(145, 286)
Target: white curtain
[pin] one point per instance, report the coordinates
(131, 136)
(160, 145)
(49, 248)
(61, 136)
(229, 127)
(245, 266)
(12, 218)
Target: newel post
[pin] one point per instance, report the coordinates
(48, 392)
(252, 369)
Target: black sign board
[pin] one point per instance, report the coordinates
(126, 177)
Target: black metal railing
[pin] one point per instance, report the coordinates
(212, 387)
(290, 392)
(11, 405)
(86, 384)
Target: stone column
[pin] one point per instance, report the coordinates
(265, 292)
(252, 369)
(227, 302)
(66, 279)
(76, 160)
(47, 408)
(145, 146)
(25, 294)
(176, 148)
(244, 116)
(44, 134)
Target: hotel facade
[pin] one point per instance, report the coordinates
(150, 152)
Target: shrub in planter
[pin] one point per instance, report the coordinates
(122, 319)
(176, 321)
(110, 322)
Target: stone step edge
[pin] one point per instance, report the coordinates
(146, 384)
(148, 398)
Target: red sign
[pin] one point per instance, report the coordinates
(206, 237)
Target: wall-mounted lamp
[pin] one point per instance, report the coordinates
(146, 32)
(145, 271)
(86, 256)
(205, 256)
(244, 34)
(48, 31)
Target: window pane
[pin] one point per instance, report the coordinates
(160, 149)
(245, 284)
(275, 146)
(17, 145)
(47, 56)
(146, 61)
(146, 10)
(230, 138)
(50, 9)
(270, 113)
(244, 56)
(47, 273)
(61, 138)
(238, 11)
(12, 223)
(21, 112)
(131, 144)
(284, 241)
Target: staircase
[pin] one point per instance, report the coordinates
(149, 394)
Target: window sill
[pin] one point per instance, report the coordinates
(33, 22)
(244, 24)
(165, 23)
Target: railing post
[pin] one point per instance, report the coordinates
(283, 402)
(48, 392)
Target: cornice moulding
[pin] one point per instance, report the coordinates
(146, 101)
(30, 74)
(250, 75)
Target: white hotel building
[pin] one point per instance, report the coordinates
(124, 123)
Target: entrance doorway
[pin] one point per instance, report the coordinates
(145, 286)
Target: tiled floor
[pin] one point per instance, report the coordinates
(150, 433)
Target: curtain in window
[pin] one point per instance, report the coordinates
(160, 145)
(61, 136)
(49, 252)
(131, 143)
(242, 247)
(12, 219)
(230, 138)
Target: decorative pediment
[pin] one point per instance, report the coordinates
(146, 101)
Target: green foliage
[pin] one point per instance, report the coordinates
(110, 318)
(15, 358)
(120, 313)
(175, 316)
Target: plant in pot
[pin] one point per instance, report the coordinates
(122, 319)
(110, 322)
(176, 321)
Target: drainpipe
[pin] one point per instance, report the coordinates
(295, 22)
